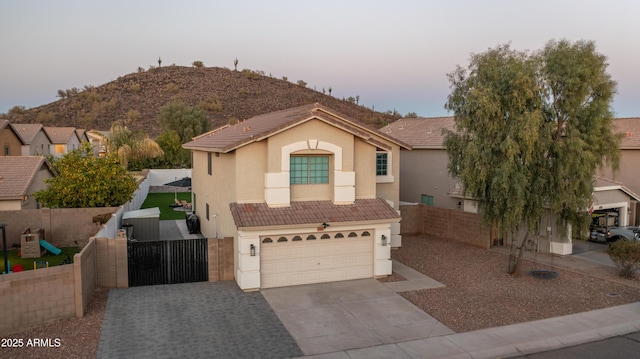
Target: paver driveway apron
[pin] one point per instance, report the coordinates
(330, 317)
(194, 320)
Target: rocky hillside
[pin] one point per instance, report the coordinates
(226, 95)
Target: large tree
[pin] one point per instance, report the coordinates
(130, 146)
(531, 129)
(87, 181)
(186, 121)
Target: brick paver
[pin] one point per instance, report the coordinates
(195, 320)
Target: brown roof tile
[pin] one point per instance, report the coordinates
(17, 174)
(420, 132)
(27, 131)
(230, 137)
(311, 212)
(60, 134)
(427, 132)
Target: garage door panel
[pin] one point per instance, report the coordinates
(305, 262)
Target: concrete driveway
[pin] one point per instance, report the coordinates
(331, 317)
(592, 252)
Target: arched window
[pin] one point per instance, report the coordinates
(338, 235)
(267, 240)
(296, 238)
(366, 234)
(353, 234)
(325, 236)
(311, 237)
(282, 239)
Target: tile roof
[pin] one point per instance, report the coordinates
(427, 132)
(60, 134)
(420, 132)
(311, 212)
(630, 128)
(230, 137)
(17, 174)
(27, 131)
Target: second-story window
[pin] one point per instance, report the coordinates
(381, 163)
(309, 169)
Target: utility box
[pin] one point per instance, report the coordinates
(145, 224)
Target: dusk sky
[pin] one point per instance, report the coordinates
(393, 54)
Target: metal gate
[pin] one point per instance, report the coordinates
(167, 262)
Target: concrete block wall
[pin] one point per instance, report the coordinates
(32, 298)
(112, 263)
(449, 224)
(220, 257)
(84, 268)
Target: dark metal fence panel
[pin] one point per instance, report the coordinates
(168, 262)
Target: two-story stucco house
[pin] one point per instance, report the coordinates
(63, 140)
(9, 140)
(308, 195)
(35, 140)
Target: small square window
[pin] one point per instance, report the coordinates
(426, 199)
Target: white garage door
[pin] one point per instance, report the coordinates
(315, 258)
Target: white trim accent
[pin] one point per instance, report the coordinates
(388, 178)
(287, 150)
(336, 150)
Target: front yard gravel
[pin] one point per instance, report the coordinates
(480, 294)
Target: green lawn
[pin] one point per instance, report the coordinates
(27, 263)
(163, 200)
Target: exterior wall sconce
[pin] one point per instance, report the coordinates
(325, 225)
(384, 240)
(252, 250)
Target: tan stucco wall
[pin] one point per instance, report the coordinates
(10, 139)
(629, 173)
(425, 172)
(40, 145)
(251, 164)
(365, 168)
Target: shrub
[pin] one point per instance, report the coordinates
(172, 88)
(198, 64)
(212, 104)
(626, 256)
(141, 69)
(134, 87)
(17, 110)
(301, 83)
(251, 75)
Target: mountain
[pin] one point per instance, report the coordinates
(225, 94)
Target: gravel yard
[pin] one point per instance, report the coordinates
(478, 294)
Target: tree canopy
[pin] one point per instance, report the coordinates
(186, 121)
(531, 130)
(87, 181)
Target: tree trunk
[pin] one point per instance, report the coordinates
(517, 252)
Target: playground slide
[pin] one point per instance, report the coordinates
(48, 246)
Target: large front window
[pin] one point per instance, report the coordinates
(309, 169)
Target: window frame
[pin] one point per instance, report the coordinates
(388, 177)
(311, 169)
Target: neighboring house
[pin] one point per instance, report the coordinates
(63, 140)
(99, 141)
(35, 140)
(9, 140)
(424, 176)
(20, 178)
(308, 195)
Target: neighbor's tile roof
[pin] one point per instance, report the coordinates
(27, 131)
(630, 128)
(17, 174)
(427, 132)
(420, 132)
(230, 137)
(60, 134)
(311, 212)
